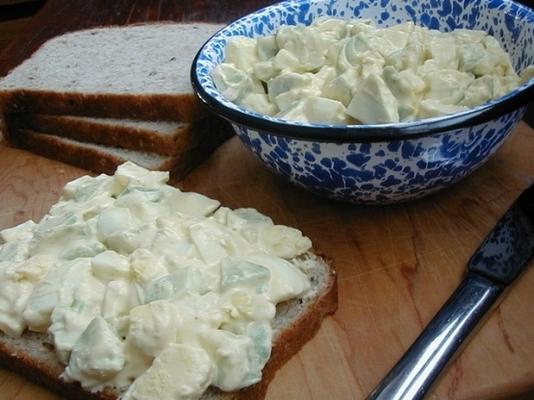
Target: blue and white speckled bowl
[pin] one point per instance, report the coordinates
(378, 163)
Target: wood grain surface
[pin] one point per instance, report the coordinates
(396, 265)
(9, 30)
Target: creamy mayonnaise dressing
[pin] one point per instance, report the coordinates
(351, 72)
(142, 285)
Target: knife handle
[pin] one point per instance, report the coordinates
(413, 375)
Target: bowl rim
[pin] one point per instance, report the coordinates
(495, 108)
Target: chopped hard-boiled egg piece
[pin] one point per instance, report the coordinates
(153, 326)
(179, 372)
(447, 85)
(408, 89)
(110, 265)
(231, 354)
(241, 51)
(342, 87)
(260, 103)
(23, 231)
(288, 82)
(266, 47)
(373, 102)
(527, 74)
(130, 173)
(234, 83)
(478, 91)
(97, 355)
(442, 49)
(306, 44)
(286, 280)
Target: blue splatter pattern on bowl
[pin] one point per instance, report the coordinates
(380, 172)
(379, 164)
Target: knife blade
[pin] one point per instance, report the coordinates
(497, 262)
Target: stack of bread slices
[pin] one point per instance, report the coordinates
(99, 97)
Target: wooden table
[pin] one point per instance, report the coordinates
(396, 265)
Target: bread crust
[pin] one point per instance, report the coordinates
(208, 134)
(46, 374)
(123, 136)
(287, 344)
(184, 107)
(54, 148)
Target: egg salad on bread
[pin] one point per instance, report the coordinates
(149, 289)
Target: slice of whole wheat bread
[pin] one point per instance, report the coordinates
(208, 135)
(295, 323)
(160, 137)
(94, 157)
(137, 71)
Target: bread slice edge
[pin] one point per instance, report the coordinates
(124, 135)
(207, 136)
(180, 107)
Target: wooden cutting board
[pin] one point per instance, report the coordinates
(396, 264)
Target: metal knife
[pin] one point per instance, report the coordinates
(500, 259)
